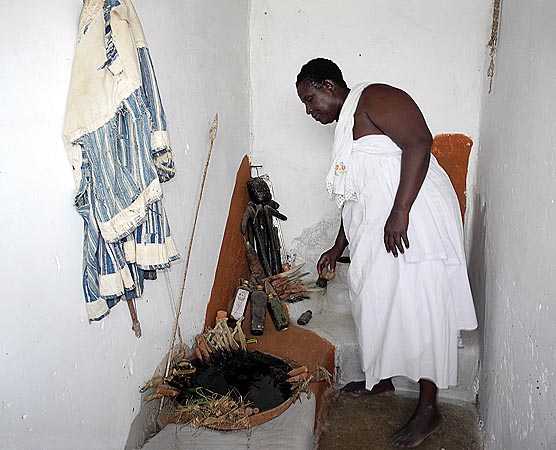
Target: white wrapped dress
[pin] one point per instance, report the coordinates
(407, 310)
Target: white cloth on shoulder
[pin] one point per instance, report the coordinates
(339, 182)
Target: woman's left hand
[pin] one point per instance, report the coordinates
(395, 231)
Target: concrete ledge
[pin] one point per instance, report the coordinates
(339, 329)
(292, 430)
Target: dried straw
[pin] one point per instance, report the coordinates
(213, 411)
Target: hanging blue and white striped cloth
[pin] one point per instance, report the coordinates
(122, 162)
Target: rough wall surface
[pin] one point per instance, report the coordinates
(434, 50)
(66, 384)
(513, 247)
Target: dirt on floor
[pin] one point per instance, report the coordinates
(367, 422)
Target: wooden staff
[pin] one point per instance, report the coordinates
(135, 325)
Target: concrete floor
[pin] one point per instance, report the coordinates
(367, 422)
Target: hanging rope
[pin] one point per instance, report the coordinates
(493, 41)
(212, 136)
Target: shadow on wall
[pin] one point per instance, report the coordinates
(477, 264)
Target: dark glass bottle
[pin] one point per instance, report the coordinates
(305, 318)
(277, 313)
(258, 300)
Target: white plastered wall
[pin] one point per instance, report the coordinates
(513, 241)
(433, 50)
(67, 384)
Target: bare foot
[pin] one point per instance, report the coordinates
(423, 423)
(357, 388)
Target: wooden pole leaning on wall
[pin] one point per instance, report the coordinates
(212, 137)
(135, 325)
(493, 42)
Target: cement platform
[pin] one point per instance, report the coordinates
(292, 430)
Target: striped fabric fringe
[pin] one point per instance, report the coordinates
(127, 236)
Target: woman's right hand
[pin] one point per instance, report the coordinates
(328, 260)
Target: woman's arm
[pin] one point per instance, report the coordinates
(395, 113)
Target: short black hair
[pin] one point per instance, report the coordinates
(316, 71)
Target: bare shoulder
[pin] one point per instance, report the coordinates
(393, 112)
(380, 88)
(376, 95)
